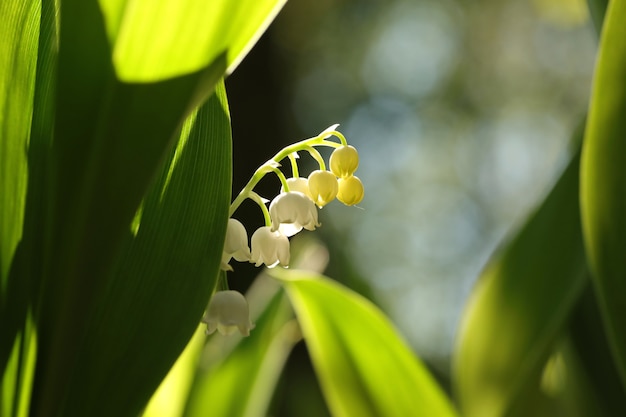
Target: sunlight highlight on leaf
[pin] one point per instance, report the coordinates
(365, 368)
(170, 398)
(19, 33)
(157, 39)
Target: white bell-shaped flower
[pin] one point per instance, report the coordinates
(235, 244)
(269, 247)
(228, 311)
(292, 211)
(298, 184)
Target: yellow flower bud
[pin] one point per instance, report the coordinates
(350, 190)
(344, 161)
(323, 187)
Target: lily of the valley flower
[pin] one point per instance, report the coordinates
(298, 184)
(350, 190)
(344, 161)
(292, 211)
(235, 244)
(269, 247)
(323, 187)
(228, 311)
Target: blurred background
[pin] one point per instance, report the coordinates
(462, 113)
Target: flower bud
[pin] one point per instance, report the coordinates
(269, 247)
(323, 187)
(344, 161)
(350, 191)
(227, 312)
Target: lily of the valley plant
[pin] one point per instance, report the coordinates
(293, 209)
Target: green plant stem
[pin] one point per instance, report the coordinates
(282, 178)
(317, 156)
(272, 164)
(294, 165)
(261, 203)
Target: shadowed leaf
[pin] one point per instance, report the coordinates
(603, 181)
(520, 306)
(161, 281)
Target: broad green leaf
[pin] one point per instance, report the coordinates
(520, 305)
(156, 293)
(603, 180)
(17, 380)
(365, 368)
(19, 32)
(110, 138)
(21, 105)
(147, 34)
(241, 384)
(170, 398)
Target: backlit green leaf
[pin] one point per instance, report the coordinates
(154, 297)
(170, 398)
(19, 64)
(603, 180)
(147, 34)
(365, 368)
(18, 56)
(520, 305)
(109, 140)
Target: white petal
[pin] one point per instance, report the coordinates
(289, 229)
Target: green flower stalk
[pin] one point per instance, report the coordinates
(292, 210)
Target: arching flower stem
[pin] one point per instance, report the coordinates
(222, 282)
(282, 178)
(261, 203)
(272, 164)
(317, 156)
(294, 165)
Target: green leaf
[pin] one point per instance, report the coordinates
(17, 378)
(170, 398)
(520, 305)
(147, 34)
(110, 138)
(241, 383)
(364, 366)
(154, 297)
(20, 106)
(590, 346)
(18, 56)
(603, 181)
(101, 283)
